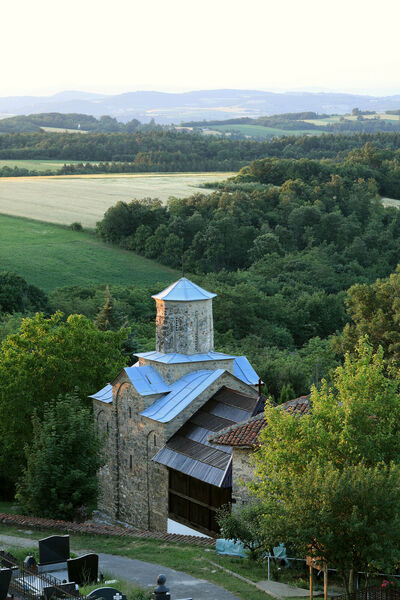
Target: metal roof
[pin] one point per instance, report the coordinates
(189, 450)
(182, 393)
(184, 290)
(147, 380)
(196, 468)
(175, 358)
(244, 371)
(104, 395)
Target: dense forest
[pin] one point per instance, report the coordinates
(170, 150)
(77, 121)
(285, 238)
(287, 250)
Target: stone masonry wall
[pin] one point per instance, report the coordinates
(104, 418)
(132, 487)
(184, 327)
(242, 474)
(173, 372)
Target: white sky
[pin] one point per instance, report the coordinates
(47, 46)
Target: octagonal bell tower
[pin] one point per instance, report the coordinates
(184, 322)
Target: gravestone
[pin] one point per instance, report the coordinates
(7, 559)
(108, 593)
(83, 569)
(63, 590)
(5, 578)
(54, 549)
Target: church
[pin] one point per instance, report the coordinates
(157, 417)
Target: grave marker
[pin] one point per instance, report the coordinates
(54, 549)
(107, 593)
(83, 569)
(5, 578)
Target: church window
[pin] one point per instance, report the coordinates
(130, 412)
(130, 462)
(107, 427)
(155, 440)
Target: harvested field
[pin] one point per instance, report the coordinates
(85, 198)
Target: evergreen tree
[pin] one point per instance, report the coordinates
(109, 317)
(287, 393)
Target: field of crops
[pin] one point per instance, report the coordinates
(85, 198)
(51, 256)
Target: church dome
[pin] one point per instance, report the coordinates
(184, 290)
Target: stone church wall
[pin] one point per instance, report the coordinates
(184, 327)
(242, 474)
(132, 487)
(173, 372)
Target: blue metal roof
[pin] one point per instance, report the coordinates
(244, 371)
(184, 290)
(182, 358)
(182, 393)
(104, 395)
(147, 381)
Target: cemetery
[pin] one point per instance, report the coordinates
(56, 575)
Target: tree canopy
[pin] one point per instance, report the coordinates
(60, 478)
(330, 480)
(48, 357)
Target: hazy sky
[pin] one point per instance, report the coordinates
(174, 45)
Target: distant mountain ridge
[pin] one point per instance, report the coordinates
(195, 105)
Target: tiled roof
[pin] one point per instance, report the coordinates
(298, 406)
(245, 434)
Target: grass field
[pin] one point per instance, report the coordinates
(264, 132)
(40, 165)
(50, 256)
(85, 198)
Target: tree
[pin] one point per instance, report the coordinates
(48, 357)
(287, 393)
(347, 516)
(348, 442)
(62, 462)
(16, 295)
(245, 525)
(375, 311)
(109, 317)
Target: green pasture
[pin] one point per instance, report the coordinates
(39, 165)
(85, 198)
(50, 256)
(264, 132)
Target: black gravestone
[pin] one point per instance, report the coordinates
(83, 569)
(7, 559)
(5, 578)
(54, 549)
(63, 590)
(108, 593)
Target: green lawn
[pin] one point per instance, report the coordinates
(193, 560)
(51, 256)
